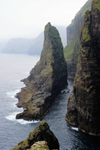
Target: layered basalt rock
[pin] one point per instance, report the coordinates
(41, 138)
(46, 79)
(83, 110)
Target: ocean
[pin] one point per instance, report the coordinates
(13, 68)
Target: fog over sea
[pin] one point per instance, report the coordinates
(13, 68)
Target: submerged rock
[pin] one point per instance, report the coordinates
(83, 110)
(46, 79)
(42, 136)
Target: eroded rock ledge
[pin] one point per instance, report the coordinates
(83, 110)
(46, 79)
(41, 138)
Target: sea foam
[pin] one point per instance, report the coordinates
(13, 93)
(12, 117)
(76, 129)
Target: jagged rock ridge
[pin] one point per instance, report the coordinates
(83, 110)
(41, 138)
(46, 79)
(72, 49)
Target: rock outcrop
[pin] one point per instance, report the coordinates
(40, 145)
(71, 51)
(42, 137)
(84, 102)
(46, 79)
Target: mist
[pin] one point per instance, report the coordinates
(27, 18)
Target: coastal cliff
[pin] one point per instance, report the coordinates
(71, 51)
(46, 79)
(41, 138)
(83, 109)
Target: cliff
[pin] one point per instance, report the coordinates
(46, 79)
(17, 46)
(72, 49)
(31, 46)
(83, 110)
(41, 138)
(36, 47)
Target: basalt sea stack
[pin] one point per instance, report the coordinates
(46, 79)
(84, 102)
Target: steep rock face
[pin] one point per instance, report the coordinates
(37, 45)
(72, 49)
(46, 79)
(84, 102)
(41, 133)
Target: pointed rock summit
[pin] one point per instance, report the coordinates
(83, 110)
(46, 79)
(42, 138)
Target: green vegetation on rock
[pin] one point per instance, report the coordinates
(83, 107)
(40, 145)
(87, 6)
(41, 133)
(86, 33)
(96, 4)
(72, 23)
(46, 79)
(71, 51)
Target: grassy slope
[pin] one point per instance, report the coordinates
(74, 45)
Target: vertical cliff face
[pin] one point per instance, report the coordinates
(72, 49)
(83, 110)
(46, 79)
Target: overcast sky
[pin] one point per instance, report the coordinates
(27, 18)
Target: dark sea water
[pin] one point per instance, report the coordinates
(13, 68)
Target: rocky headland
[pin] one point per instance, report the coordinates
(46, 79)
(41, 138)
(83, 110)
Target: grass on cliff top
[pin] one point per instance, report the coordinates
(72, 23)
(82, 11)
(68, 51)
(86, 7)
(96, 4)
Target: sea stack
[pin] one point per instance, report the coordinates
(46, 79)
(83, 109)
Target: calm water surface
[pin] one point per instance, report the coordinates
(13, 68)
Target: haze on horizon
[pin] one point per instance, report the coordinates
(27, 18)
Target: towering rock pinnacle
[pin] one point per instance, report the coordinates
(46, 79)
(83, 110)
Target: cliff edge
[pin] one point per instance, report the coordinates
(71, 51)
(46, 79)
(83, 109)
